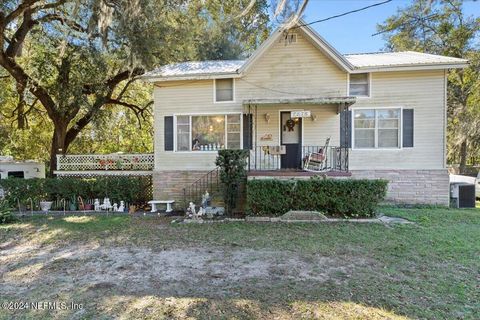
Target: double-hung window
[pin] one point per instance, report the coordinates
(359, 84)
(377, 128)
(224, 90)
(208, 132)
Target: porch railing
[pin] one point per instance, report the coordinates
(94, 162)
(262, 159)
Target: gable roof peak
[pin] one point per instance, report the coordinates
(311, 35)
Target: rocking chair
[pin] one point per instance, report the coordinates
(317, 161)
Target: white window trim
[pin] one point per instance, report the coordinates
(215, 91)
(175, 115)
(369, 77)
(400, 129)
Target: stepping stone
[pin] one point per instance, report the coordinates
(389, 220)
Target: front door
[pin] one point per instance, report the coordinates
(291, 138)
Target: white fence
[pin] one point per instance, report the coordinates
(107, 162)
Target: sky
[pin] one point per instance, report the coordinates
(353, 33)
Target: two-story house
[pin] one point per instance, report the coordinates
(384, 115)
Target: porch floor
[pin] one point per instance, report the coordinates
(295, 173)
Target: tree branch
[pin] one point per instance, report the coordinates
(64, 21)
(25, 5)
(18, 38)
(114, 81)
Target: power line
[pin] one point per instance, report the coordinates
(344, 14)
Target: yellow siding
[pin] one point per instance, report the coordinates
(294, 70)
(422, 91)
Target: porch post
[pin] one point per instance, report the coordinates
(255, 149)
(249, 124)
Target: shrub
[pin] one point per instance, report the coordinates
(267, 197)
(347, 198)
(232, 165)
(133, 189)
(6, 215)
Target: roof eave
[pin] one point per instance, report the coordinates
(199, 76)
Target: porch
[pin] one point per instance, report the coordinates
(283, 134)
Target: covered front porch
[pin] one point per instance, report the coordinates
(297, 136)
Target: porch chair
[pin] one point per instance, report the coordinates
(317, 161)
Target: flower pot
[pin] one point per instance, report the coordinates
(45, 205)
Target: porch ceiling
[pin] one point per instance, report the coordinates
(306, 101)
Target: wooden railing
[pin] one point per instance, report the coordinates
(94, 162)
(262, 159)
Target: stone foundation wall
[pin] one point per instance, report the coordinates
(412, 186)
(168, 185)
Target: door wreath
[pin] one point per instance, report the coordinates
(290, 125)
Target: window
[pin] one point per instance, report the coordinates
(16, 174)
(208, 132)
(223, 90)
(359, 85)
(377, 128)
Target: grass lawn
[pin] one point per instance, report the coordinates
(137, 267)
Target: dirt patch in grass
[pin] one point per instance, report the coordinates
(189, 271)
(120, 281)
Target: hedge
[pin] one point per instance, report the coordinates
(347, 198)
(133, 190)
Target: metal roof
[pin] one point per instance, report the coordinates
(398, 59)
(196, 69)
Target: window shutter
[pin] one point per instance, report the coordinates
(168, 133)
(247, 131)
(407, 128)
(346, 135)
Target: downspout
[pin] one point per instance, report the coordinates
(445, 81)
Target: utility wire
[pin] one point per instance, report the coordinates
(344, 14)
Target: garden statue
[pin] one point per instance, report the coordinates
(191, 211)
(205, 199)
(115, 207)
(121, 208)
(200, 212)
(106, 204)
(96, 205)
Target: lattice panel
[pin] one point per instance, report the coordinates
(128, 162)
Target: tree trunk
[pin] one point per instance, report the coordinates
(59, 146)
(21, 107)
(463, 156)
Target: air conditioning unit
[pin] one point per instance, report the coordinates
(462, 195)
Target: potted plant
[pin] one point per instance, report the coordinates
(45, 206)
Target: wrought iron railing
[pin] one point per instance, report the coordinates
(262, 158)
(93, 162)
(209, 182)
